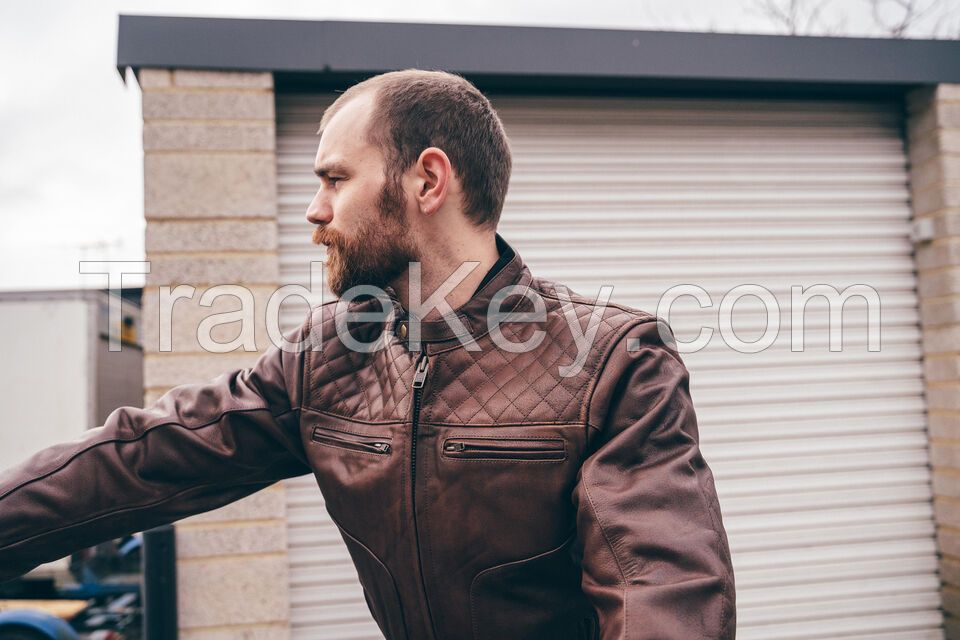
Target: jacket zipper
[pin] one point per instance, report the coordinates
(419, 378)
(489, 448)
(349, 441)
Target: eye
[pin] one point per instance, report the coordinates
(333, 180)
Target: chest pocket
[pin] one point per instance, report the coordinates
(328, 436)
(528, 449)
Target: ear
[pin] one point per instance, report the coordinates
(434, 179)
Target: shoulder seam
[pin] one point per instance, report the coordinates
(602, 365)
(581, 299)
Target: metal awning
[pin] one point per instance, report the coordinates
(533, 58)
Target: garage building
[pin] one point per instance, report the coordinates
(642, 160)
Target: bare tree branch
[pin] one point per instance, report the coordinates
(781, 13)
(798, 17)
(910, 13)
(893, 18)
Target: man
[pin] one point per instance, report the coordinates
(505, 459)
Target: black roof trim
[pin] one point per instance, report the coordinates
(568, 56)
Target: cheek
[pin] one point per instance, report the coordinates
(355, 207)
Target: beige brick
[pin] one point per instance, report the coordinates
(923, 147)
(928, 201)
(951, 599)
(218, 79)
(170, 369)
(948, 540)
(950, 571)
(939, 283)
(176, 136)
(208, 105)
(942, 170)
(944, 425)
(945, 454)
(950, 170)
(154, 78)
(940, 311)
(197, 185)
(938, 254)
(946, 223)
(945, 142)
(152, 395)
(944, 397)
(266, 504)
(946, 483)
(213, 540)
(941, 368)
(212, 235)
(926, 174)
(245, 632)
(947, 511)
(187, 315)
(940, 114)
(941, 340)
(197, 269)
(247, 590)
(948, 114)
(948, 92)
(921, 121)
(934, 199)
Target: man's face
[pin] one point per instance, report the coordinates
(361, 217)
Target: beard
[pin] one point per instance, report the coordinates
(378, 252)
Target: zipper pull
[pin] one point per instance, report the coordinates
(455, 446)
(421, 375)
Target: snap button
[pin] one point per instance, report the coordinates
(402, 330)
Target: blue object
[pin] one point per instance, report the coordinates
(95, 589)
(50, 626)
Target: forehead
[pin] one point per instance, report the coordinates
(344, 140)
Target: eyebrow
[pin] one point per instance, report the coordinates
(328, 168)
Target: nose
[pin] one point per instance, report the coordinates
(319, 211)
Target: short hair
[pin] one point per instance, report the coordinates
(415, 109)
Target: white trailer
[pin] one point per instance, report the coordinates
(58, 376)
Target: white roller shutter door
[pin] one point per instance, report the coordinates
(820, 457)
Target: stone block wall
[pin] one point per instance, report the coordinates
(210, 202)
(933, 141)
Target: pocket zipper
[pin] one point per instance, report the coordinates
(491, 448)
(349, 441)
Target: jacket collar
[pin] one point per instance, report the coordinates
(472, 315)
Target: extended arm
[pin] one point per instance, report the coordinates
(198, 447)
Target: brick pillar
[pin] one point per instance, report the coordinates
(211, 210)
(933, 133)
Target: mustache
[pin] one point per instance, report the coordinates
(328, 237)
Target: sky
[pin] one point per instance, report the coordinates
(71, 160)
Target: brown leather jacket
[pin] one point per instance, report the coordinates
(480, 492)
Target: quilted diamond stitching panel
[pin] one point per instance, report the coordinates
(490, 386)
(493, 386)
(370, 387)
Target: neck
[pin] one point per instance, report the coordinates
(438, 270)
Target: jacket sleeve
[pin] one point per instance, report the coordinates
(655, 557)
(198, 447)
